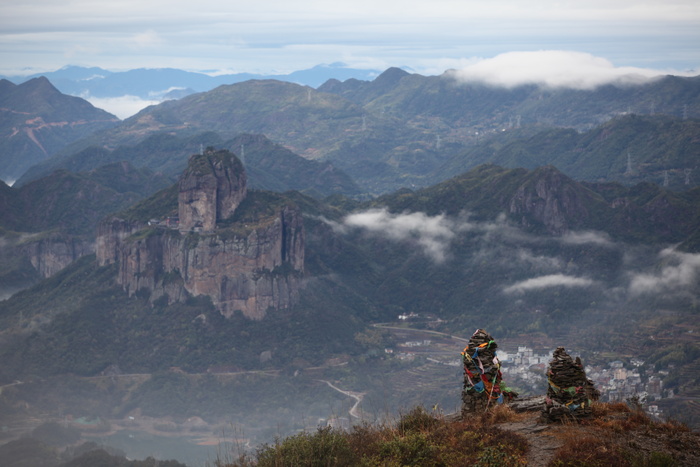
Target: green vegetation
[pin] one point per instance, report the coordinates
(202, 164)
(615, 436)
(257, 209)
(273, 167)
(359, 279)
(158, 206)
(89, 324)
(73, 203)
(46, 122)
(488, 190)
(657, 149)
(419, 438)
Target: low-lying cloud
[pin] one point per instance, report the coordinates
(587, 237)
(551, 280)
(123, 106)
(674, 275)
(539, 261)
(432, 234)
(553, 69)
(681, 272)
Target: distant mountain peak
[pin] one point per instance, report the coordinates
(6, 85)
(40, 82)
(391, 75)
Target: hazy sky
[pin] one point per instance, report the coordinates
(427, 36)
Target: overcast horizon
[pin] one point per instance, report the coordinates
(280, 37)
(504, 42)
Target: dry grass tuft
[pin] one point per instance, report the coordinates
(418, 438)
(588, 451)
(602, 409)
(502, 414)
(617, 435)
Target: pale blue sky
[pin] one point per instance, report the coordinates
(268, 36)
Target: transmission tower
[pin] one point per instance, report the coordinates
(665, 178)
(629, 164)
(687, 176)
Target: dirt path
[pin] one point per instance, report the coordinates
(355, 395)
(543, 444)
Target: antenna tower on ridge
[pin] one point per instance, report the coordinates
(243, 153)
(665, 178)
(629, 164)
(687, 176)
(201, 149)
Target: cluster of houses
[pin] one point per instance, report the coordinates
(405, 354)
(527, 369)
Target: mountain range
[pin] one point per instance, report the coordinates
(407, 130)
(543, 215)
(525, 253)
(168, 83)
(38, 121)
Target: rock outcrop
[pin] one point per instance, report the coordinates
(552, 199)
(252, 265)
(111, 233)
(54, 252)
(210, 189)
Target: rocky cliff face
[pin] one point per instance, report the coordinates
(110, 235)
(550, 198)
(251, 265)
(54, 252)
(210, 189)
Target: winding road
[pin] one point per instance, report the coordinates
(355, 395)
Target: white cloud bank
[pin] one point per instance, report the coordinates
(432, 234)
(123, 106)
(681, 272)
(552, 280)
(554, 69)
(587, 237)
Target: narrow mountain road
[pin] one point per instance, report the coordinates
(355, 395)
(424, 331)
